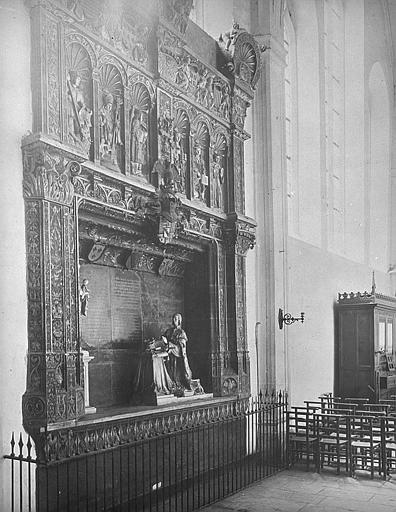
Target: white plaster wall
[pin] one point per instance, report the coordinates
(309, 163)
(16, 119)
(316, 275)
(354, 131)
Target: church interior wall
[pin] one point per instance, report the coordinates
(15, 95)
(312, 272)
(318, 268)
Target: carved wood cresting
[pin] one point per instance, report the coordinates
(136, 152)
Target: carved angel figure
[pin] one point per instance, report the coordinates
(229, 37)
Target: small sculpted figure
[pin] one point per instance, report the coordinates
(84, 297)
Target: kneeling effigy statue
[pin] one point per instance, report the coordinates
(164, 369)
(179, 369)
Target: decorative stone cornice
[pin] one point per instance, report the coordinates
(48, 173)
(64, 443)
(242, 55)
(240, 235)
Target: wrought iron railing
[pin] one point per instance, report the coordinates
(171, 470)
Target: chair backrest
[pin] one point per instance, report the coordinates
(381, 407)
(334, 426)
(301, 421)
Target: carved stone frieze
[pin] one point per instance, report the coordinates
(240, 237)
(176, 13)
(127, 31)
(171, 268)
(65, 443)
(48, 174)
(199, 82)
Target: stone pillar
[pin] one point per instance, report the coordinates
(270, 196)
(54, 390)
(86, 358)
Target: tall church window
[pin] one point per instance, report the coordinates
(334, 121)
(291, 132)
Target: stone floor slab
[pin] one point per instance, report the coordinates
(301, 491)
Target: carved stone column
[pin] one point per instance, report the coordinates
(86, 358)
(54, 390)
(240, 237)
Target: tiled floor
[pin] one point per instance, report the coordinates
(300, 491)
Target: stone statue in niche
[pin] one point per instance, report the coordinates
(218, 180)
(165, 131)
(179, 368)
(110, 130)
(200, 175)
(139, 139)
(162, 175)
(164, 366)
(78, 114)
(84, 297)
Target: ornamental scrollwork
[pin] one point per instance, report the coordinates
(242, 55)
(65, 443)
(49, 175)
(240, 237)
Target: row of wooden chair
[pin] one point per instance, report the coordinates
(350, 439)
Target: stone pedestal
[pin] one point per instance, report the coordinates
(86, 358)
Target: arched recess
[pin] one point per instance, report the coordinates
(111, 117)
(180, 157)
(379, 169)
(78, 129)
(200, 167)
(218, 171)
(140, 130)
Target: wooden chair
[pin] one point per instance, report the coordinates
(388, 445)
(302, 437)
(380, 407)
(365, 445)
(334, 440)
